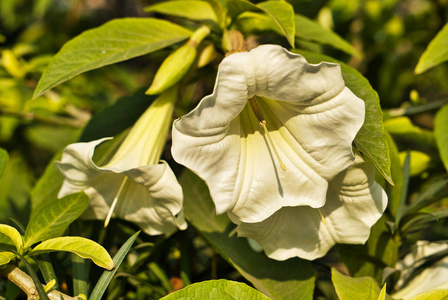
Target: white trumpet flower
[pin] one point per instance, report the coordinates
(133, 185)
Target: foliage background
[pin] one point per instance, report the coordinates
(390, 35)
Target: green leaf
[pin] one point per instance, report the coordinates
(394, 192)
(436, 53)
(115, 41)
(3, 161)
(83, 247)
(5, 257)
(309, 30)
(382, 295)
(349, 288)
(13, 235)
(283, 14)
(217, 289)
(441, 294)
(371, 139)
(192, 10)
(402, 129)
(267, 275)
(280, 11)
(441, 133)
(107, 276)
(80, 277)
(53, 219)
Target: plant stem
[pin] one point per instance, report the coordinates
(26, 284)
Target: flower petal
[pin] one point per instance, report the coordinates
(149, 196)
(355, 202)
(311, 116)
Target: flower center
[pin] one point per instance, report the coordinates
(257, 111)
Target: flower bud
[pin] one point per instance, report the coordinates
(177, 64)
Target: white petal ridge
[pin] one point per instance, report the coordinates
(151, 196)
(310, 114)
(354, 204)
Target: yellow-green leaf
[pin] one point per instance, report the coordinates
(13, 235)
(5, 257)
(83, 247)
(436, 53)
(349, 288)
(441, 133)
(441, 294)
(189, 9)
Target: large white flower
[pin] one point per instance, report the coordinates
(133, 185)
(274, 132)
(354, 203)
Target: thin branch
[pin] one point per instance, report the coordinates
(43, 119)
(26, 284)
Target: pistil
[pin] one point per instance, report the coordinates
(322, 216)
(114, 203)
(259, 115)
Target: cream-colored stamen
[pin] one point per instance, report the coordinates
(258, 113)
(114, 203)
(322, 216)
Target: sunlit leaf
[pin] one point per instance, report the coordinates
(281, 12)
(402, 129)
(441, 133)
(189, 9)
(83, 247)
(13, 235)
(266, 275)
(3, 161)
(349, 288)
(419, 162)
(52, 220)
(436, 53)
(5, 257)
(115, 41)
(432, 295)
(371, 139)
(217, 289)
(310, 30)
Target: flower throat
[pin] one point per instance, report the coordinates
(257, 111)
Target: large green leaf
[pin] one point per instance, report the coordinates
(441, 133)
(3, 161)
(217, 289)
(189, 9)
(290, 279)
(13, 235)
(281, 12)
(115, 41)
(349, 288)
(371, 139)
(53, 219)
(310, 30)
(83, 247)
(436, 53)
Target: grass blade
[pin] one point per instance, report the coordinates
(107, 276)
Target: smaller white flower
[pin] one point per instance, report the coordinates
(354, 203)
(133, 185)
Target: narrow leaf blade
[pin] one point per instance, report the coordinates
(436, 53)
(107, 276)
(83, 247)
(115, 41)
(52, 219)
(441, 133)
(3, 161)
